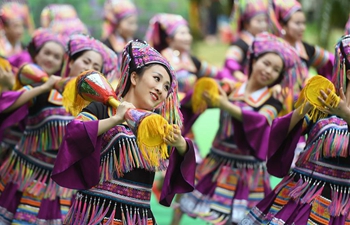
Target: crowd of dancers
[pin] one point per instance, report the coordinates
(65, 163)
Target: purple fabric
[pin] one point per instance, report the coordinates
(265, 204)
(19, 59)
(282, 145)
(78, 160)
(179, 177)
(286, 212)
(340, 220)
(327, 69)
(10, 197)
(7, 120)
(252, 133)
(227, 72)
(206, 185)
(303, 214)
(50, 209)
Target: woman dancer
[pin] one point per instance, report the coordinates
(14, 17)
(28, 194)
(316, 190)
(100, 156)
(233, 177)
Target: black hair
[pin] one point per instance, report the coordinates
(163, 44)
(139, 72)
(250, 67)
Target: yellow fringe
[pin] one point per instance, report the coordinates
(72, 101)
(150, 138)
(204, 84)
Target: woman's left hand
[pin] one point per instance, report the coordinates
(175, 139)
(342, 109)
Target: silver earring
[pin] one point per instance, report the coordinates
(283, 32)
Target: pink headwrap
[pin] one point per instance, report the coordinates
(244, 10)
(167, 23)
(138, 54)
(82, 42)
(114, 12)
(342, 63)
(62, 19)
(40, 37)
(281, 11)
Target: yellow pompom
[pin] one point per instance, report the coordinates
(204, 84)
(311, 92)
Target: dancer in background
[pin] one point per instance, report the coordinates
(119, 27)
(290, 23)
(21, 196)
(14, 17)
(33, 197)
(249, 19)
(62, 19)
(316, 190)
(100, 156)
(233, 178)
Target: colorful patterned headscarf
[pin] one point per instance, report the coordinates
(138, 54)
(62, 19)
(342, 63)
(244, 10)
(82, 42)
(347, 27)
(265, 43)
(55, 12)
(168, 23)
(16, 10)
(40, 37)
(280, 12)
(114, 12)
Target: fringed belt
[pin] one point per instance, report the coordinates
(34, 176)
(11, 136)
(124, 192)
(236, 160)
(325, 172)
(308, 186)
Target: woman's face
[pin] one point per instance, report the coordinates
(295, 27)
(266, 69)
(50, 57)
(151, 88)
(182, 39)
(257, 24)
(89, 60)
(128, 27)
(14, 29)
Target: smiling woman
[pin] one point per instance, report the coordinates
(233, 177)
(113, 175)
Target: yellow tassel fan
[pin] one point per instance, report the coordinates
(311, 92)
(204, 84)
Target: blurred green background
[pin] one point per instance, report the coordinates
(326, 22)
